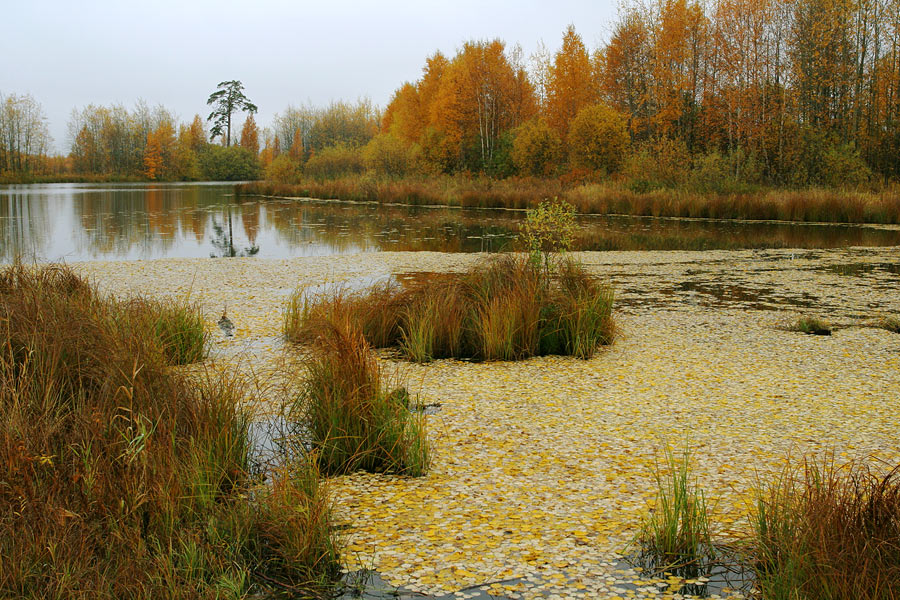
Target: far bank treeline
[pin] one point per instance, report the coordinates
(721, 95)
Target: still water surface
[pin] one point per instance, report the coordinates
(78, 222)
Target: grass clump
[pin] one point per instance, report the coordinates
(811, 326)
(123, 478)
(891, 324)
(826, 531)
(506, 308)
(179, 327)
(349, 410)
(676, 535)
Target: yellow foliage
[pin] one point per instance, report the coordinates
(598, 139)
(536, 149)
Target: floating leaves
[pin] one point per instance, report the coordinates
(542, 468)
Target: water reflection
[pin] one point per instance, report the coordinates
(140, 221)
(223, 240)
(23, 224)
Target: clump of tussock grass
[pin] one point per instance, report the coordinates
(676, 536)
(349, 409)
(891, 324)
(822, 530)
(811, 326)
(121, 477)
(506, 308)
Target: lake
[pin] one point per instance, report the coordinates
(84, 222)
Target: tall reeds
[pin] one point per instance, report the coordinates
(119, 476)
(178, 324)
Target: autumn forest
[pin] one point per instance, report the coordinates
(719, 95)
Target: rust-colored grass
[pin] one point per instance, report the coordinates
(506, 308)
(121, 477)
(823, 530)
(610, 197)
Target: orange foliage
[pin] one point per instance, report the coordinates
(159, 151)
(296, 150)
(250, 135)
(571, 84)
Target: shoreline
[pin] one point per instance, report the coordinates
(543, 467)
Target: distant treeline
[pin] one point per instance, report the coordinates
(783, 92)
(718, 95)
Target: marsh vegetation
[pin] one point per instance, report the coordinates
(125, 477)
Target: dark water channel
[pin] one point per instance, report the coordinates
(76, 222)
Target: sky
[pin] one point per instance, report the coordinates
(71, 53)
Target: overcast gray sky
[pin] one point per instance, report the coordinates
(70, 53)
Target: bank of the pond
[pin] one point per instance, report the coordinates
(543, 468)
(607, 198)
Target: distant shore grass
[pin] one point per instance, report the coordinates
(506, 308)
(29, 178)
(121, 477)
(803, 205)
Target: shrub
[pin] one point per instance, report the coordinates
(815, 158)
(659, 164)
(334, 161)
(842, 167)
(389, 156)
(598, 139)
(283, 169)
(550, 228)
(536, 148)
(234, 163)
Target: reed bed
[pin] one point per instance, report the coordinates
(471, 192)
(123, 478)
(507, 308)
(608, 197)
(823, 530)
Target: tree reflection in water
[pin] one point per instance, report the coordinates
(223, 241)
